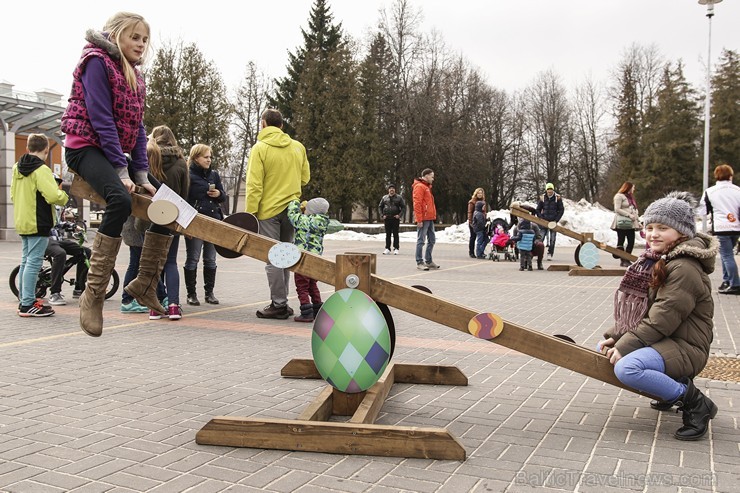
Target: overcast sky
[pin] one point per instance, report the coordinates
(509, 41)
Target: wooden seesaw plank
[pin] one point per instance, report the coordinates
(525, 214)
(530, 342)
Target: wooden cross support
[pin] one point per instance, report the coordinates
(581, 237)
(313, 432)
(513, 336)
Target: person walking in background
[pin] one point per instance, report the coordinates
(479, 229)
(102, 122)
(277, 169)
(391, 209)
(722, 203)
(550, 208)
(663, 314)
(478, 195)
(626, 219)
(310, 229)
(173, 172)
(34, 192)
(205, 194)
(425, 213)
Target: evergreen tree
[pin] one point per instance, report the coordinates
(672, 139)
(627, 142)
(187, 93)
(323, 37)
(326, 118)
(724, 138)
(376, 161)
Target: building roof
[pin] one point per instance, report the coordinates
(25, 113)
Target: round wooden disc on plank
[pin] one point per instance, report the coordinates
(552, 225)
(588, 255)
(565, 338)
(162, 212)
(284, 255)
(391, 325)
(422, 288)
(244, 220)
(486, 325)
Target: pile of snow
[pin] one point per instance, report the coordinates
(581, 217)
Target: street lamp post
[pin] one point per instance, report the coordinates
(708, 100)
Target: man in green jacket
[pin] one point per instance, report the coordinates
(277, 169)
(34, 192)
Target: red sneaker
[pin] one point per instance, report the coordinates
(174, 312)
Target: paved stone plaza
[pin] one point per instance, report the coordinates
(120, 413)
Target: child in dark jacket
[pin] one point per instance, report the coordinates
(479, 228)
(524, 239)
(309, 236)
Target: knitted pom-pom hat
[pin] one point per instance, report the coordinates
(675, 210)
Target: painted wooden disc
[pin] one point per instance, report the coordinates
(486, 325)
(588, 255)
(351, 343)
(244, 220)
(284, 255)
(162, 212)
(552, 225)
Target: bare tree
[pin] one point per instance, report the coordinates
(249, 102)
(548, 116)
(589, 141)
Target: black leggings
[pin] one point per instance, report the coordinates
(93, 167)
(629, 235)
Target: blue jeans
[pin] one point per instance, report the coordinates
(31, 260)
(425, 232)
(193, 247)
(729, 266)
(170, 274)
(550, 236)
(480, 243)
(644, 370)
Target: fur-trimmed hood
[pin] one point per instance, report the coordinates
(100, 39)
(702, 247)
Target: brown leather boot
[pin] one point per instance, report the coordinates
(102, 261)
(153, 256)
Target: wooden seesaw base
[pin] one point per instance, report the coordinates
(313, 431)
(577, 270)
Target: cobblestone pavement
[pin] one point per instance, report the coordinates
(120, 413)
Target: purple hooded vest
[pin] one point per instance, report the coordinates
(128, 106)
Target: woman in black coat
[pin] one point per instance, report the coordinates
(206, 194)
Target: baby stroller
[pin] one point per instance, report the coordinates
(500, 245)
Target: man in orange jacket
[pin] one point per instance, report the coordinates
(425, 214)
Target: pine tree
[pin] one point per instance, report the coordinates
(627, 143)
(376, 86)
(323, 37)
(724, 138)
(672, 139)
(187, 93)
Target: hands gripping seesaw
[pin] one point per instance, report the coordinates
(312, 431)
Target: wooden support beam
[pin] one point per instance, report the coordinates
(320, 408)
(369, 408)
(404, 373)
(597, 271)
(333, 438)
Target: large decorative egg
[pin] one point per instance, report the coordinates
(351, 343)
(588, 256)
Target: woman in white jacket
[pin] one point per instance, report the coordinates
(722, 203)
